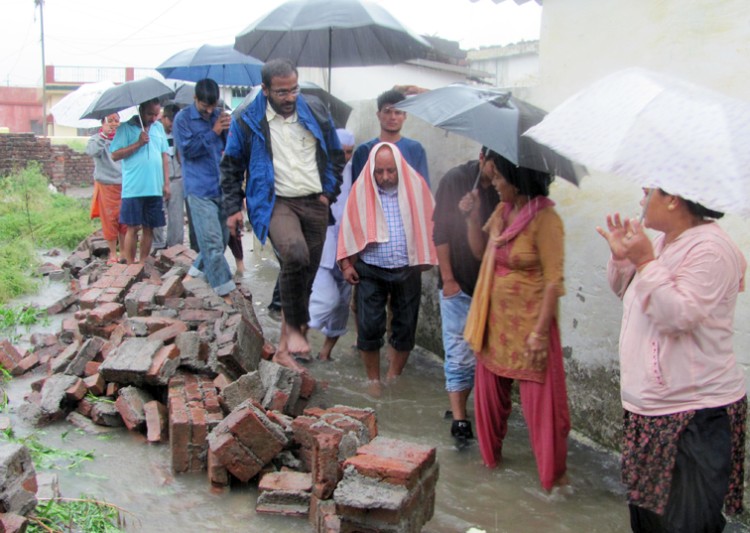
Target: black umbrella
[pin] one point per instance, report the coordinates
(223, 64)
(494, 118)
(126, 95)
(331, 33)
(339, 109)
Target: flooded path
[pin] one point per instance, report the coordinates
(131, 473)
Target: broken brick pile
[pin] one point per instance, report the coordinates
(169, 358)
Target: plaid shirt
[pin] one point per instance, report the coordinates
(394, 253)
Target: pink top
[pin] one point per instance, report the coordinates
(676, 338)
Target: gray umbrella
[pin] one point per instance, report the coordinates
(494, 118)
(339, 109)
(126, 95)
(331, 33)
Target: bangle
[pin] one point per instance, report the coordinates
(642, 264)
(537, 336)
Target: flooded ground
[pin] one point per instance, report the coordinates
(131, 473)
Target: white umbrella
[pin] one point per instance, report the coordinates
(658, 131)
(68, 111)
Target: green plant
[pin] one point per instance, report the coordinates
(76, 514)
(31, 216)
(11, 318)
(46, 457)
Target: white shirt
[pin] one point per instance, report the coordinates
(294, 148)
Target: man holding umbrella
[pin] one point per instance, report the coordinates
(459, 270)
(142, 146)
(293, 161)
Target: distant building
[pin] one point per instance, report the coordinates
(514, 65)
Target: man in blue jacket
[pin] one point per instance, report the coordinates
(199, 131)
(293, 160)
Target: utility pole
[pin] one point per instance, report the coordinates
(40, 3)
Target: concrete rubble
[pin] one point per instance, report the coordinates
(168, 358)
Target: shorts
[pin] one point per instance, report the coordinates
(147, 211)
(404, 286)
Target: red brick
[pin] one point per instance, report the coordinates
(13, 523)
(157, 426)
(28, 362)
(168, 333)
(10, 357)
(77, 391)
(389, 470)
(112, 389)
(200, 315)
(117, 269)
(95, 384)
(170, 288)
(235, 457)
(157, 372)
(221, 381)
(307, 387)
(88, 298)
(326, 470)
(217, 473)
(268, 351)
(287, 480)
(84, 407)
(134, 270)
(92, 368)
(367, 416)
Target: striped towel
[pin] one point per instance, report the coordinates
(363, 221)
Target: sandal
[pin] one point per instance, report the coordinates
(112, 261)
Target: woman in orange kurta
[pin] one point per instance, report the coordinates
(512, 324)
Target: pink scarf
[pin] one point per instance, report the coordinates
(504, 242)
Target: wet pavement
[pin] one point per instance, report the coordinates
(131, 473)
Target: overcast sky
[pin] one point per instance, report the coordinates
(144, 33)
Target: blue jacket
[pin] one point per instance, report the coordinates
(249, 149)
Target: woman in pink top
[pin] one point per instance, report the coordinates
(683, 394)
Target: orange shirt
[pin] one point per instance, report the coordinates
(535, 260)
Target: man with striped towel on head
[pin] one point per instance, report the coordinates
(385, 243)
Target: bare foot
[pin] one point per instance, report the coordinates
(227, 299)
(187, 277)
(375, 388)
(286, 359)
(296, 341)
(324, 356)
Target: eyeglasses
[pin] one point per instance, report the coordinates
(283, 93)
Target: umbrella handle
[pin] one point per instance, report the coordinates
(479, 175)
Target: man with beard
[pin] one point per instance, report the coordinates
(199, 132)
(293, 160)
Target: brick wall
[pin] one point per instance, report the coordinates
(63, 166)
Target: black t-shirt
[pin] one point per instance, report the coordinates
(450, 224)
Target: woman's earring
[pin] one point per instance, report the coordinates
(670, 207)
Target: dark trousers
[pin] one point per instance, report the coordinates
(297, 232)
(700, 479)
(376, 285)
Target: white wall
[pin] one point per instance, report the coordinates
(704, 41)
(510, 71)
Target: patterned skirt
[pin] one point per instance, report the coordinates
(649, 452)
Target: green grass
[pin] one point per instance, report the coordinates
(72, 515)
(46, 457)
(12, 318)
(32, 217)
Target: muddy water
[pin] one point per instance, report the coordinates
(131, 473)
